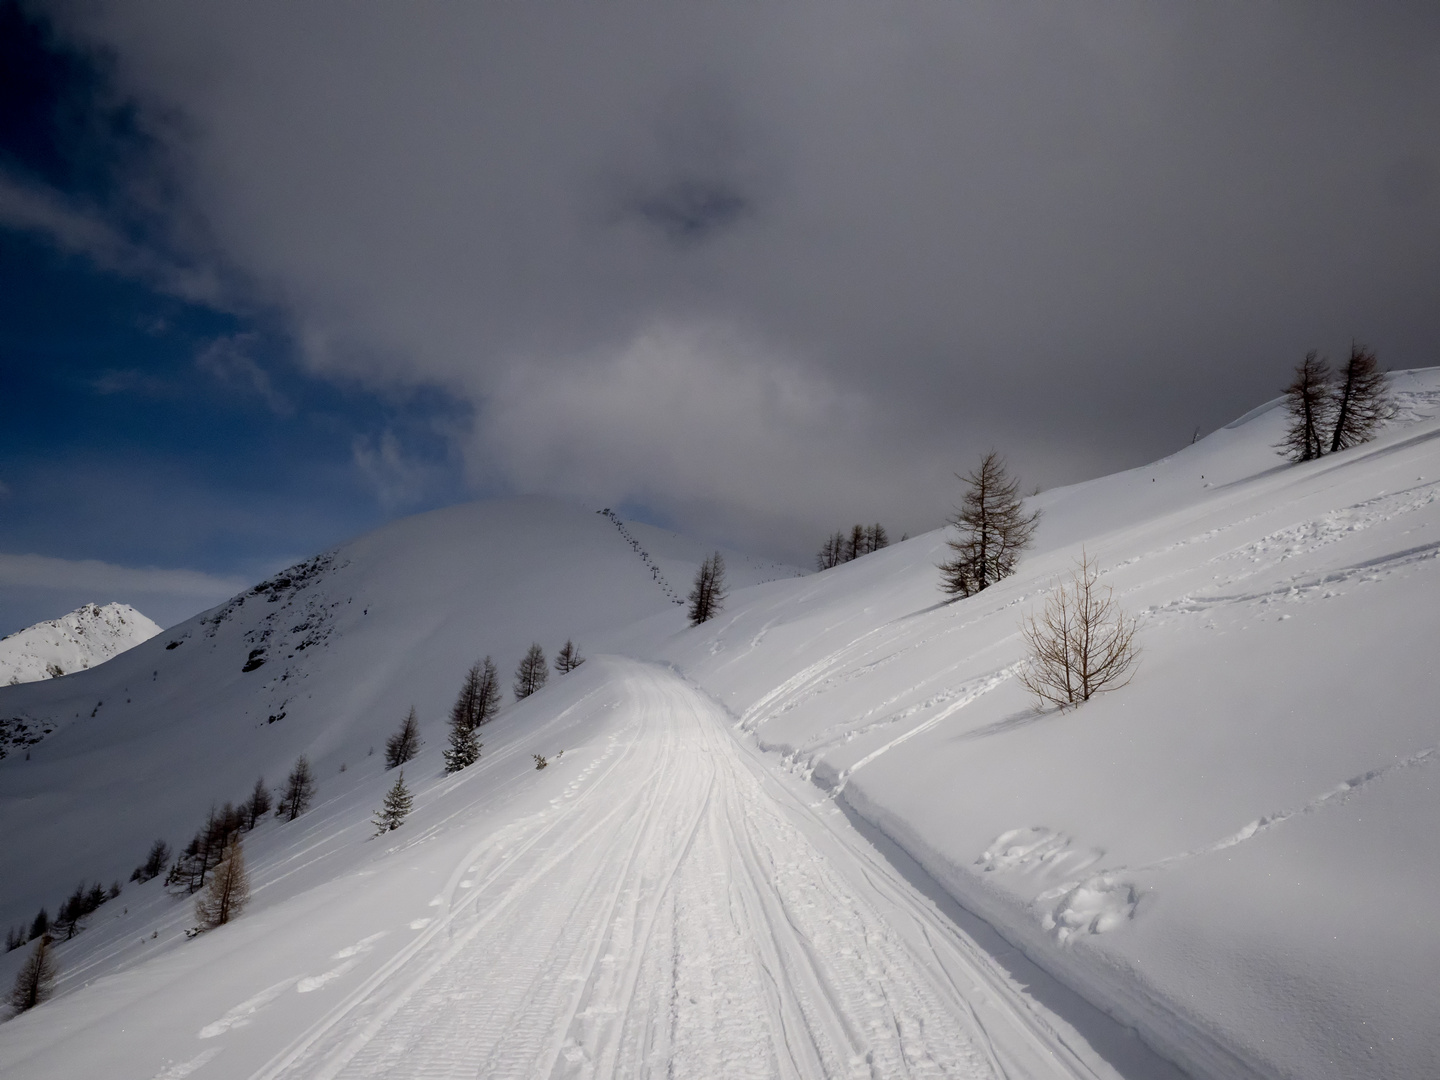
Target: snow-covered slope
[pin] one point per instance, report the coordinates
(87, 636)
(1235, 855)
(323, 659)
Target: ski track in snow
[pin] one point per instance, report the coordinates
(676, 912)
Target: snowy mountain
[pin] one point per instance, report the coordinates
(87, 636)
(825, 834)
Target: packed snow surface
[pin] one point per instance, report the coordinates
(825, 834)
(87, 636)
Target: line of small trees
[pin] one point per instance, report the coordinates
(211, 844)
(1329, 412)
(207, 850)
(479, 700)
(842, 548)
(85, 900)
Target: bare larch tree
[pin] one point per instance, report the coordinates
(1310, 406)
(1361, 400)
(489, 692)
(405, 743)
(258, 805)
(568, 658)
(993, 527)
(465, 717)
(299, 790)
(1081, 645)
(36, 977)
(532, 672)
(229, 889)
(708, 594)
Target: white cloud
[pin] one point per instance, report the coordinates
(701, 422)
(398, 480)
(1071, 231)
(106, 579)
(228, 360)
(28, 208)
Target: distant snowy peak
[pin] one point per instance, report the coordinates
(86, 637)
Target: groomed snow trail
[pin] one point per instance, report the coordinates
(679, 912)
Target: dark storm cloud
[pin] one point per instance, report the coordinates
(771, 268)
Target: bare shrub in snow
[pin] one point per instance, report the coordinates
(36, 978)
(229, 889)
(1361, 400)
(708, 594)
(532, 672)
(395, 808)
(1082, 645)
(405, 743)
(993, 527)
(1310, 405)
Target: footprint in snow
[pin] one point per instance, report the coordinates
(244, 1013)
(177, 1071)
(350, 957)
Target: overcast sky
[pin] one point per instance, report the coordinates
(756, 270)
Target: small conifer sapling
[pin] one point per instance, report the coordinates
(395, 808)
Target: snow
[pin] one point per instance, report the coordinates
(87, 636)
(825, 834)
